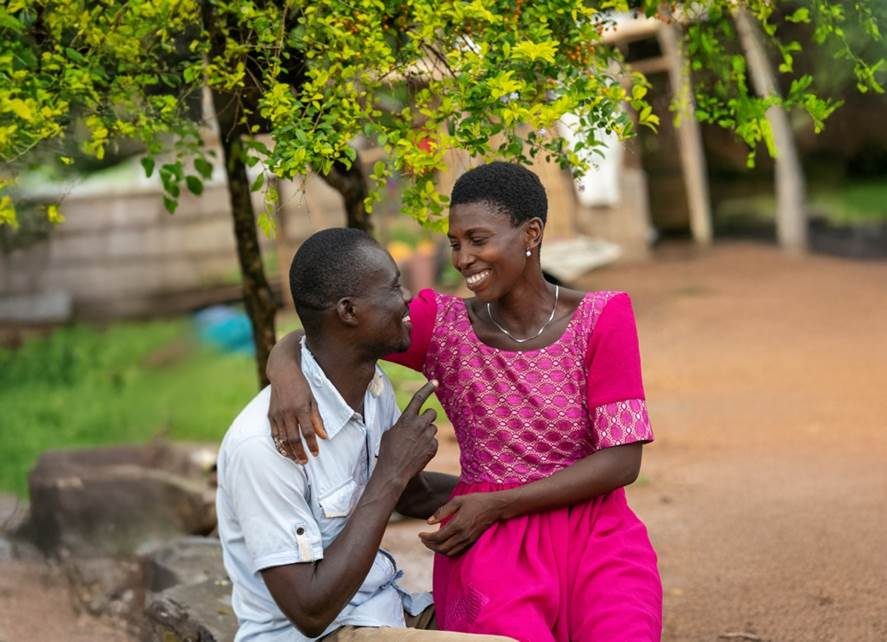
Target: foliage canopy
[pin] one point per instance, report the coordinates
(419, 77)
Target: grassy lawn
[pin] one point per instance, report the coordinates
(128, 383)
(857, 202)
(850, 203)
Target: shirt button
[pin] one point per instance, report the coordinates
(300, 531)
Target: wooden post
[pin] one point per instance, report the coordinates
(689, 135)
(791, 216)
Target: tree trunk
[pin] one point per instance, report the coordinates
(791, 215)
(692, 154)
(257, 295)
(351, 184)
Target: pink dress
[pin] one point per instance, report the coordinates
(582, 573)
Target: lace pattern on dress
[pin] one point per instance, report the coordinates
(621, 422)
(520, 416)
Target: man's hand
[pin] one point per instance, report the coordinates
(467, 517)
(410, 443)
(293, 414)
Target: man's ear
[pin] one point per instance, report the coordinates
(346, 311)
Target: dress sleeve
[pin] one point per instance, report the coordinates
(615, 392)
(423, 311)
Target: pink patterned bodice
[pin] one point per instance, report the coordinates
(520, 416)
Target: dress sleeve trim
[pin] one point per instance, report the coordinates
(621, 422)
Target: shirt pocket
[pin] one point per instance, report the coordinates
(340, 501)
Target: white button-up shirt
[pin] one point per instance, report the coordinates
(272, 511)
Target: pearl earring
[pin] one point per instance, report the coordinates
(529, 253)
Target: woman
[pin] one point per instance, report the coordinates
(543, 387)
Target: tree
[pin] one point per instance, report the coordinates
(791, 217)
(487, 77)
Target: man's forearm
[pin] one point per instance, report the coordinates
(313, 600)
(349, 558)
(284, 353)
(425, 493)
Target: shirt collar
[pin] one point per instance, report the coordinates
(334, 410)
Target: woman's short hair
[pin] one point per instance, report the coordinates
(511, 188)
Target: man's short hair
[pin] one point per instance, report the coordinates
(329, 265)
(509, 187)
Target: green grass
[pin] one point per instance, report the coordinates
(858, 202)
(132, 382)
(852, 203)
(129, 383)
(406, 382)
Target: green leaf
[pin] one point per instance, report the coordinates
(799, 85)
(74, 55)
(148, 164)
(53, 214)
(170, 204)
(204, 167)
(267, 224)
(174, 170)
(533, 51)
(800, 15)
(257, 184)
(21, 109)
(195, 185)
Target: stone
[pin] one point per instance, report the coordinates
(187, 560)
(108, 502)
(190, 599)
(13, 512)
(199, 612)
(6, 549)
(106, 586)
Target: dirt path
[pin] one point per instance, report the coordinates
(765, 492)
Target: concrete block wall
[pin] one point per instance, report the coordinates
(120, 253)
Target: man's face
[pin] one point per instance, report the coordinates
(383, 305)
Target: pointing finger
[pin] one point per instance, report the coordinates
(421, 397)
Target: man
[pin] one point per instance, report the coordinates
(301, 542)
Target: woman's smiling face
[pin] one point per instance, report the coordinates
(488, 249)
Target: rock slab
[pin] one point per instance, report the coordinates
(115, 501)
(189, 596)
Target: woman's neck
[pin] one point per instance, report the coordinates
(525, 306)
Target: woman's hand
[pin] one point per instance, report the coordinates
(468, 516)
(293, 414)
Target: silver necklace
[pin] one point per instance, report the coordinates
(541, 330)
